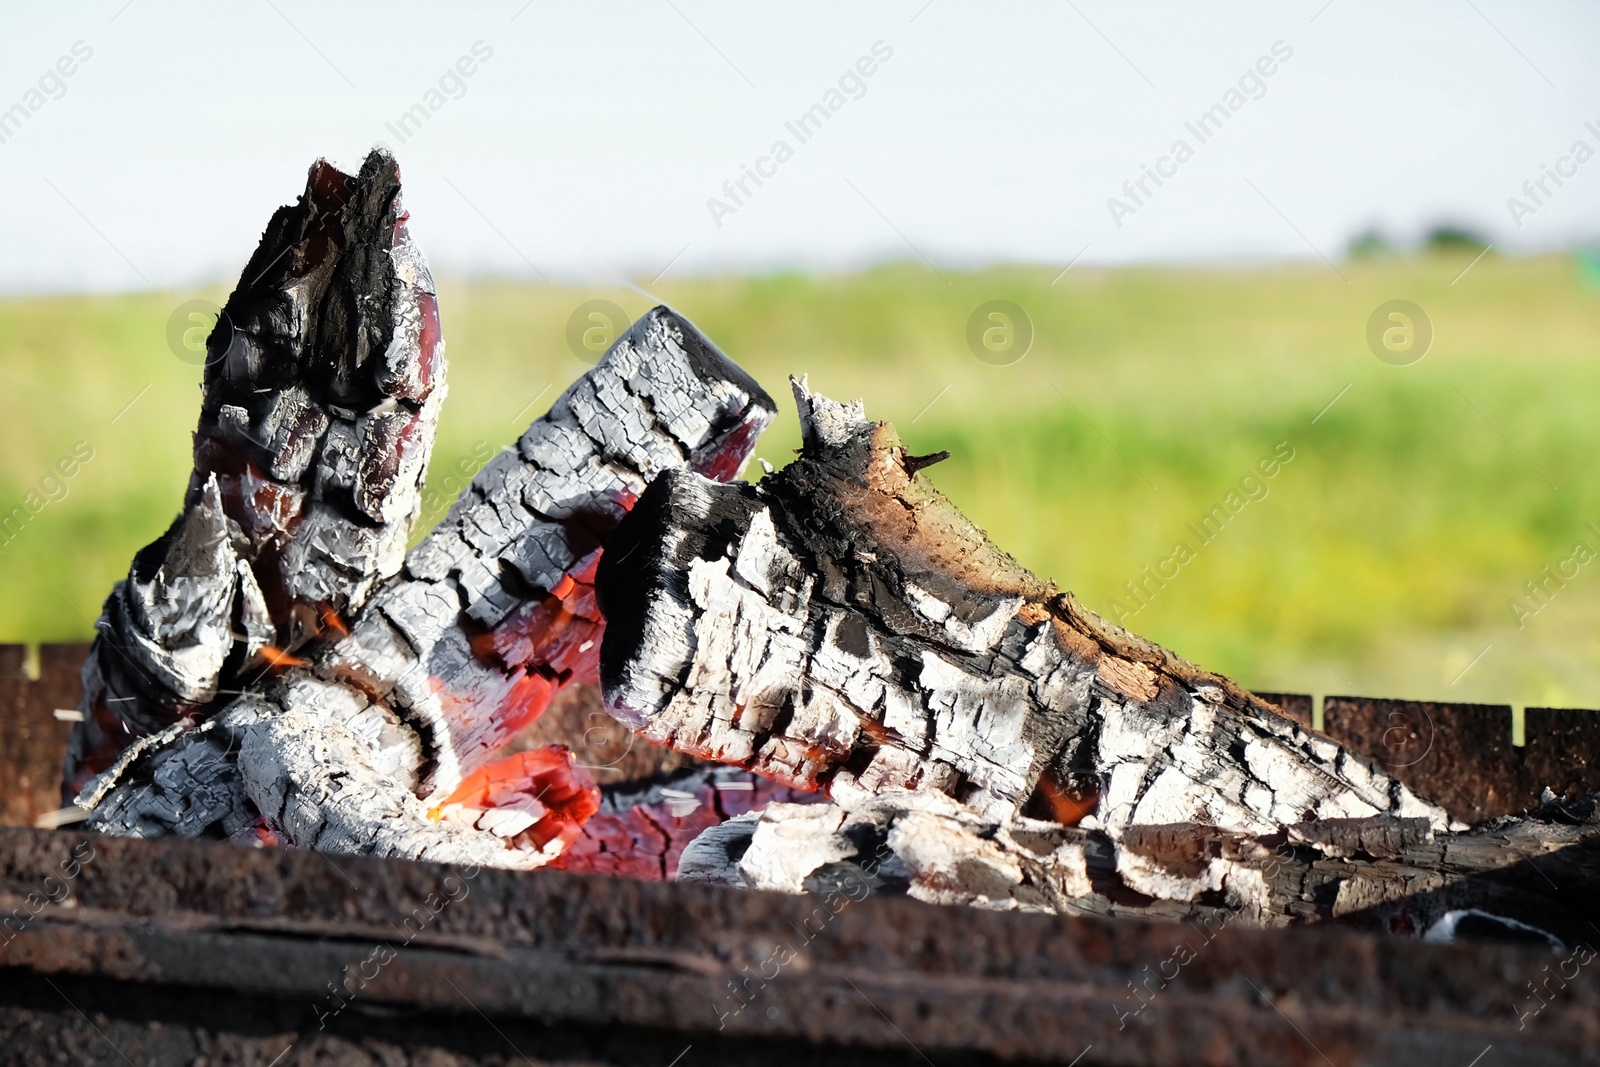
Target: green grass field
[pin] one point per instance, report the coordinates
(1380, 561)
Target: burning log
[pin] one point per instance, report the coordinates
(842, 625)
(323, 695)
(322, 387)
(984, 737)
(372, 743)
(899, 700)
(642, 829)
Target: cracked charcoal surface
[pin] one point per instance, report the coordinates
(841, 627)
(322, 387)
(491, 614)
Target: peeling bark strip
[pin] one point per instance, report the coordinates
(843, 626)
(359, 750)
(323, 381)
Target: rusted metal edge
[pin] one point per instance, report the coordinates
(325, 933)
(33, 741)
(1461, 755)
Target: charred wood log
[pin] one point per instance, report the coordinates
(322, 386)
(843, 626)
(271, 672)
(381, 740)
(986, 739)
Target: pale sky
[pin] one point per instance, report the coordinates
(589, 138)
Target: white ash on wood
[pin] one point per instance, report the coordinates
(322, 387)
(842, 626)
(902, 700)
(372, 723)
(381, 743)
